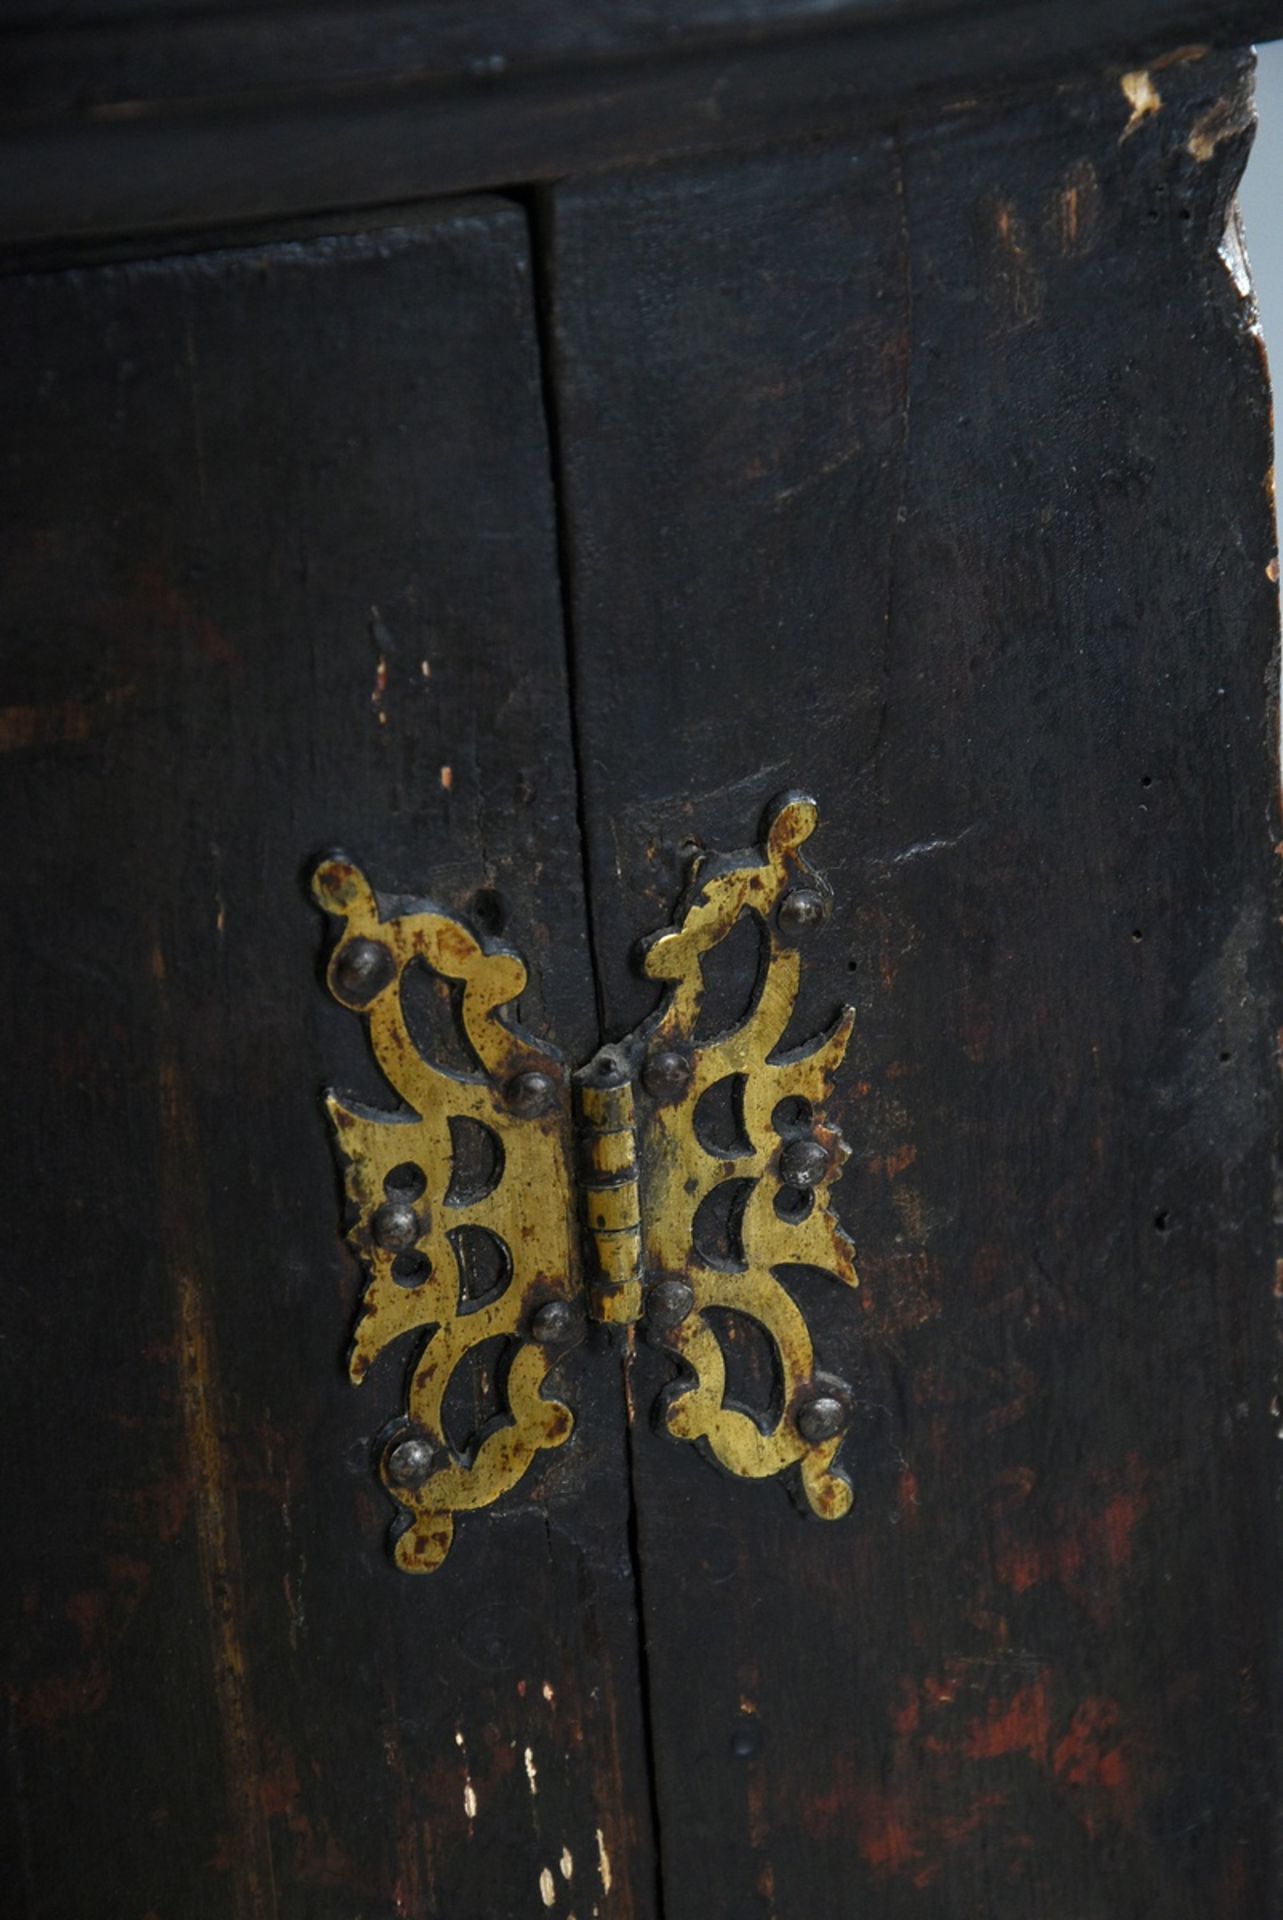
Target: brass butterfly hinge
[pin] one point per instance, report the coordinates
(463, 1201)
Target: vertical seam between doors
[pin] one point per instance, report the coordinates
(539, 207)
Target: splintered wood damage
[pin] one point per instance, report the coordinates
(1142, 97)
(1073, 209)
(1015, 284)
(1221, 122)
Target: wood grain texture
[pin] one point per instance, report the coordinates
(174, 120)
(279, 566)
(931, 474)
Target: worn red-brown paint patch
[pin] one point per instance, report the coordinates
(884, 1829)
(278, 1791)
(152, 601)
(100, 1619)
(1021, 1725)
(1094, 1755)
(891, 1164)
(964, 1742)
(902, 1288)
(59, 722)
(1105, 1537)
(895, 1839)
(1084, 1547)
(317, 1859)
(907, 1716)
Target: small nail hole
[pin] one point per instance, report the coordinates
(490, 910)
(1147, 779)
(1137, 934)
(1161, 1221)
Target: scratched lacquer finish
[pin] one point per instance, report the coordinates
(911, 447)
(961, 440)
(279, 574)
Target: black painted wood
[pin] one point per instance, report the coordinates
(279, 569)
(931, 474)
(177, 119)
(913, 447)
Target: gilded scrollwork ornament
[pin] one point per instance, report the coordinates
(779, 1176)
(646, 1176)
(411, 1214)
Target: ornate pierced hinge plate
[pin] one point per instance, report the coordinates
(679, 1219)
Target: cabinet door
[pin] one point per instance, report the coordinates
(955, 449)
(279, 566)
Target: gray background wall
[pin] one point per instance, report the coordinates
(1261, 199)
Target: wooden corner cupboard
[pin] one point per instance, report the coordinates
(677, 601)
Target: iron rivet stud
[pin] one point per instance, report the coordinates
(801, 910)
(363, 968)
(804, 1163)
(396, 1225)
(822, 1418)
(552, 1323)
(668, 1302)
(666, 1073)
(410, 1462)
(531, 1093)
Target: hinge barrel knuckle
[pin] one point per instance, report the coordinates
(611, 1202)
